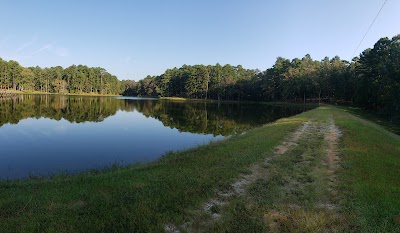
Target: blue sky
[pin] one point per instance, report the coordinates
(132, 39)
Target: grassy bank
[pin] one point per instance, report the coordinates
(300, 192)
(173, 98)
(146, 197)
(393, 126)
(371, 161)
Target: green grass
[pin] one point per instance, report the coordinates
(368, 184)
(293, 187)
(139, 198)
(173, 98)
(393, 126)
(371, 176)
(145, 197)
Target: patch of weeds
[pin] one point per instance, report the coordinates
(306, 178)
(246, 171)
(240, 218)
(263, 192)
(304, 220)
(215, 209)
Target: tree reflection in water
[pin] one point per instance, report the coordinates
(215, 118)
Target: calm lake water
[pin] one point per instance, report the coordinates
(47, 134)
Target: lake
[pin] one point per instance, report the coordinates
(42, 135)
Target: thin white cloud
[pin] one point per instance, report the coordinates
(62, 52)
(50, 48)
(30, 49)
(26, 44)
(44, 48)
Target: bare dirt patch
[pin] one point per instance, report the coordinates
(284, 147)
(332, 135)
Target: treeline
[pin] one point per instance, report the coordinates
(74, 79)
(198, 81)
(371, 80)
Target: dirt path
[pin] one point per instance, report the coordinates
(331, 136)
(256, 172)
(237, 188)
(306, 161)
(309, 197)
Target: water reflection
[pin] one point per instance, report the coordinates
(46, 134)
(186, 116)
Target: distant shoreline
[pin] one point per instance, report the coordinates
(69, 94)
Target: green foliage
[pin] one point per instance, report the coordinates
(370, 81)
(198, 82)
(74, 79)
(378, 71)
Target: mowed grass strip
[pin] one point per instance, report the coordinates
(390, 123)
(137, 198)
(365, 198)
(295, 194)
(371, 173)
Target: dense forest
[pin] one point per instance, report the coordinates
(74, 79)
(371, 81)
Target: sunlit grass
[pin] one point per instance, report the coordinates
(371, 174)
(393, 126)
(288, 196)
(173, 98)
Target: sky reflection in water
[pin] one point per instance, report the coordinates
(111, 130)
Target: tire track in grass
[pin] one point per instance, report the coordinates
(308, 200)
(210, 213)
(331, 136)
